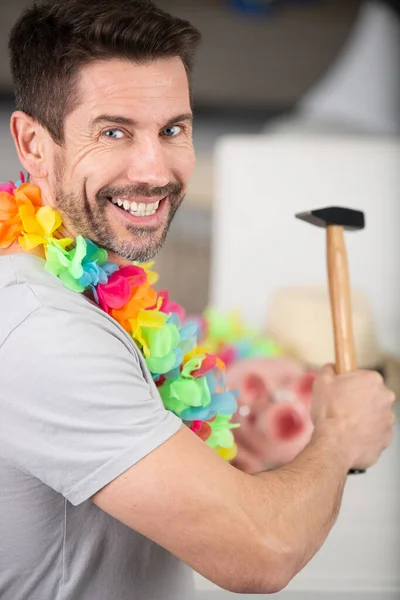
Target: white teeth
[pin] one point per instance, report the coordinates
(144, 210)
(139, 210)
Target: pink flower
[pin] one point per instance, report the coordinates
(117, 291)
(10, 186)
(208, 364)
(169, 306)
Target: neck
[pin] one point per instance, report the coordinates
(118, 260)
(16, 249)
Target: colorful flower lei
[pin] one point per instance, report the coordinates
(190, 380)
(231, 340)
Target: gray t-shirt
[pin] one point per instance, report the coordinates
(77, 408)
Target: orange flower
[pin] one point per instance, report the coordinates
(143, 296)
(28, 194)
(10, 220)
(8, 207)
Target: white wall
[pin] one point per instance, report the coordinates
(9, 164)
(362, 89)
(262, 181)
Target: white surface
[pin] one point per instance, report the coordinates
(361, 556)
(262, 181)
(363, 87)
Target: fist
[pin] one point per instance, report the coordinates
(358, 409)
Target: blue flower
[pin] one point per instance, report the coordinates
(222, 402)
(96, 269)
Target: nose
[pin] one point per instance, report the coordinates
(148, 163)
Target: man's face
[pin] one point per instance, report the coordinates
(123, 169)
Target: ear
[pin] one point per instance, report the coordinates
(254, 391)
(29, 139)
(304, 387)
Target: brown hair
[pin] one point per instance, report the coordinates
(54, 39)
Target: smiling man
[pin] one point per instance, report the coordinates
(127, 154)
(108, 490)
(120, 141)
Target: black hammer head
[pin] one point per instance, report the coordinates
(347, 218)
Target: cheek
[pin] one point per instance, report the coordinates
(99, 167)
(182, 162)
(103, 159)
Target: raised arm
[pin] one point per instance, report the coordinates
(254, 533)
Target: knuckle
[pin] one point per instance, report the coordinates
(325, 379)
(374, 378)
(389, 440)
(383, 400)
(387, 398)
(391, 396)
(325, 375)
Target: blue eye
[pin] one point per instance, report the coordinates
(113, 134)
(172, 131)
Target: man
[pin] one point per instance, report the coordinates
(105, 493)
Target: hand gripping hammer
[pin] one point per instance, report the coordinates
(335, 220)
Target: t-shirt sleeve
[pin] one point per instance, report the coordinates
(77, 409)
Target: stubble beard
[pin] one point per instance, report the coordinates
(92, 222)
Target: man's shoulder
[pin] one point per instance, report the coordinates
(25, 276)
(17, 299)
(29, 292)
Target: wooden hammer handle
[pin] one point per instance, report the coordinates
(340, 297)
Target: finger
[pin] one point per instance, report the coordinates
(392, 396)
(328, 370)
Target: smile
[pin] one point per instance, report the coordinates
(140, 209)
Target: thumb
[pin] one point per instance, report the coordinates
(328, 370)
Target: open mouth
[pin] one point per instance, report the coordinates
(137, 209)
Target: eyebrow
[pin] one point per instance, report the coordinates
(118, 120)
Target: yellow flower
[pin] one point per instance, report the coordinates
(152, 277)
(146, 319)
(38, 227)
(198, 351)
(227, 454)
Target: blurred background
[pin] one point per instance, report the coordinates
(297, 106)
(258, 62)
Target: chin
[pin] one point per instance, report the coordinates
(140, 248)
(134, 238)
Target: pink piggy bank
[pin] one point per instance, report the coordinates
(274, 413)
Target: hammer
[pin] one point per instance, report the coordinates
(335, 220)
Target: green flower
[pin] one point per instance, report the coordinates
(66, 264)
(221, 434)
